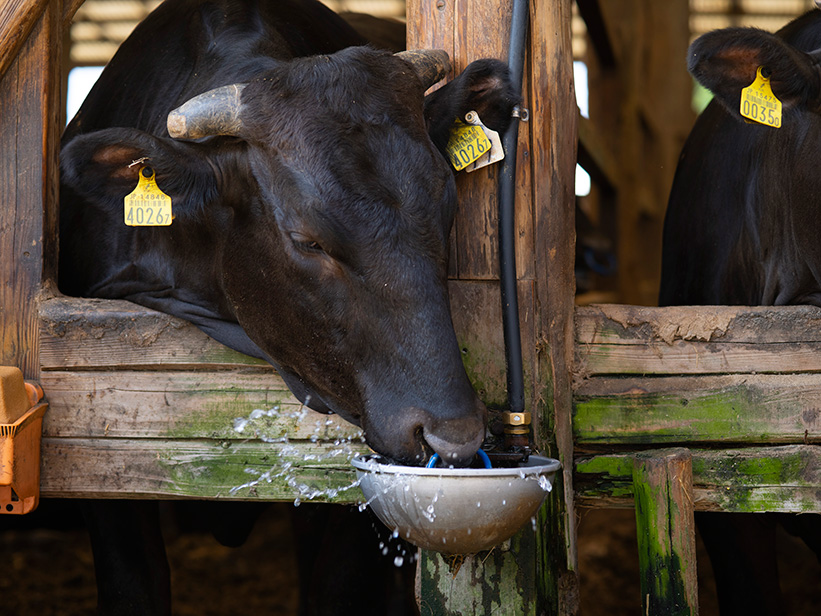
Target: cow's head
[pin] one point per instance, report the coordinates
(726, 61)
(330, 208)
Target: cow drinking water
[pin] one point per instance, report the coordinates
(742, 227)
(311, 202)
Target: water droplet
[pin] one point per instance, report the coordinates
(397, 562)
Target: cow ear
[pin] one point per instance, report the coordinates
(726, 61)
(484, 87)
(103, 167)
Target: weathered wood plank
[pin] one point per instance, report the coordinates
(100, 334)
(663, 491)
(137, 468)
(780, 479)
(202, 404)
(698, 358)
(615, 339)
(477, 226)
(69, 9)
(462, 586)
(761, 408)
(627, 325)
(554, 115)
(28, 142)
(17, 20)
(477, 319)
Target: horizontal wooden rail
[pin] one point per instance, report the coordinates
(779, 479)
(144, 405)
(184, 468)
(97, 334)
(737, 408)
(615, 339)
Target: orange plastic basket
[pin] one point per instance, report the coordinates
(21, 423)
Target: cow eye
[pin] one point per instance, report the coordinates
(305, 243)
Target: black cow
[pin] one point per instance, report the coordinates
(742, 227)
(312, 205)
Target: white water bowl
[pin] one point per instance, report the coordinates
(455, 510)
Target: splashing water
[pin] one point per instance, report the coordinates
(290, 456)
(545, 484)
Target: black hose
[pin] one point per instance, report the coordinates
(507, 220)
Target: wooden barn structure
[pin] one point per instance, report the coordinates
(674, 410)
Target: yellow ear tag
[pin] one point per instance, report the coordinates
(759, 104)
(467, 144)
(147, 205)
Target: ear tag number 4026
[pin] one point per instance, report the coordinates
(472, 145)
(759, 104)
(147, 205)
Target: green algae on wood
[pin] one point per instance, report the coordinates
(662, 485)
(730, 408)
(501, 581)
(778, 479)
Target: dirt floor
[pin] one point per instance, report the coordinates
(48, 571)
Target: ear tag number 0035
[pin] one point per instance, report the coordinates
(147, 205)
(759, 104)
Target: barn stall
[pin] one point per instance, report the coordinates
(143, 405)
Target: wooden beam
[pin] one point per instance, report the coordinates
(464, 581)
(553, 126)
(29, 138)
(69, 9)
(99, 334)
(742, 408)
(599, 33)
(697, 340)
(17, 20)
(778, 479)
(622, 324)
(216, 469)
(190, 404)
(663, 491)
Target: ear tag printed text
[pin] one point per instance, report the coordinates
(467, 144)
(147, 205)
(759, 104)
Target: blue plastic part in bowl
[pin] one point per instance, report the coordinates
(482, 456)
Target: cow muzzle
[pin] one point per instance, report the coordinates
(414, 434)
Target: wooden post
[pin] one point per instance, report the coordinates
(29, 141)
(468, 30)
(554, 129)
(663, 488)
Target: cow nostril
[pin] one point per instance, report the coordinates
(455, 452)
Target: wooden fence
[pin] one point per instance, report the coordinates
(672, 409)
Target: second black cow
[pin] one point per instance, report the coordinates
(743, 227)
